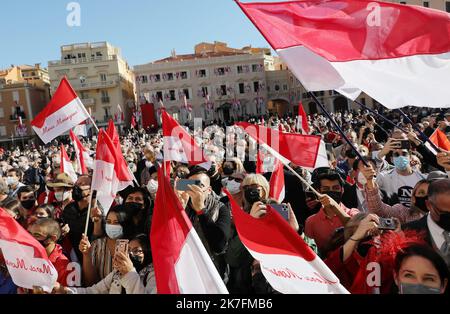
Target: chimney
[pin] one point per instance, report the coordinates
(174, 53)
(37, 66)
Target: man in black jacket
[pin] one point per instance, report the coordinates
(210, 217)
(436, 225)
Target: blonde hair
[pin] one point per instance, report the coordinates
(237, 162)
(259, 180)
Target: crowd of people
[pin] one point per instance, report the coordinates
(391, 206)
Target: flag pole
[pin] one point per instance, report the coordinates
(89, 212)
(380, 116)
(424, 137)
(338, 128)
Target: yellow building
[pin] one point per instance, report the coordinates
(100, 76)
(24, 92)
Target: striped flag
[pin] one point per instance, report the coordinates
(397, 54)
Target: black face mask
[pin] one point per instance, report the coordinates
(420, 203)
(29, 204)
(137, 262)
(133, 208)
(336, 196)
(77, 194)
(252, 195)
(444, 221)
(228, 171)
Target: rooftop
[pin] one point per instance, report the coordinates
(194, 56)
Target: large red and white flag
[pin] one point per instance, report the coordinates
(24, 256)
(81, 153)
(322, 158)
(397, 54)
(179, 145)
(302, 120)
(111, 173)
(62, 113)
(66, 165)
(277, 185)
(287, 262)
(181, 262)
(287, 147)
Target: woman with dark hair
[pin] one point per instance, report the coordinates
(98, 258)
(420, 270)
(133, 273)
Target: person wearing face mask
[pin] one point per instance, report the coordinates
(333, 214)
(139, 206)
(13, 180)
(397, 184)
(47, 231)
(420, 270)
(27, 198)
(98, 257)
(213, 173)
(75, 215)
(133, 273)
(62, 185)
(436, 224)
(404, 214)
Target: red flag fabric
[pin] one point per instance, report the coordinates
(302, 120)
(80, 153)
(260, 163)
(66, 165)
(179, 145)
(300, 149)
(365, 45)
(114, 136)
(64, 111)
(25, 258)
(133, 121)
(180, 261)
(440, 140)
(111, 173)
(277, 185)
(287, 262)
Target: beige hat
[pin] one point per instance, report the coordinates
(61, 180)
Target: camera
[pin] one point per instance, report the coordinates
(387, 224)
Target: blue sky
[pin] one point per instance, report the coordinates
(145, 30)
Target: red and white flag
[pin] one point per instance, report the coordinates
(80, 152)
(25, 258)
(277, 185)
(133, 121)
(302, 120)
(287, 147)
(66, 165)
(181, 262)
(62, 113)
(20, 122)
(115, 139)
(111, 173)
(81, 129)
(397, 54)
(179, 145)
(322, 158)
(287, 262)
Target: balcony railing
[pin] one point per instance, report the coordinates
(88, 101)
(101, 84)
(105, 100)
(82, 60)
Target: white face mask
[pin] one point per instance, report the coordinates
(62, 196)
(233, 187)
(362, 179)
(152, 186)
(148, 164)
(11, 180)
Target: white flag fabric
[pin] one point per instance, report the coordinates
(64, 111)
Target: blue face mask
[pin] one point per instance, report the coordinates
(114, 232)
(401, 163)
(409, 288)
